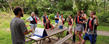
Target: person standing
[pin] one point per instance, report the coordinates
(57, 19)
(48, 26)
(33, 19)
(45, 17)
(79, 26)
(18, 27)
(91, 29)
(70, 24)
(84, 18)
(61, 22)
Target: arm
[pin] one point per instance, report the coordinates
(72, 21)
(97, 21)
(52, 27)
(27, 32)
(38, 18)
(56, 17)
(84, 17)
(28, 19)
(85, 30)
(24, 29)
(75, 19)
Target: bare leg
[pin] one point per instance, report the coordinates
(83, 41)
(49, 40)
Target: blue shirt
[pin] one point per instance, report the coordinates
(44, 20)
(56, 21)
(31, 19)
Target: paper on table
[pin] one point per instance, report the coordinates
(39, 31)
(35, 37)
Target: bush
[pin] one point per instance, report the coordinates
(67, 13)
(51, 16)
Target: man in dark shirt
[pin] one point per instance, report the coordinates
(18, 28)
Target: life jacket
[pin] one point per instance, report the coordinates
(69, 22)
(44, 19)
(91, 25)
(48, 26)
(62, 20)
(56, 19)
(78, 19)
(34, 21)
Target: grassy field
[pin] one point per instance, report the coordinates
(5, 36)
(103, 28)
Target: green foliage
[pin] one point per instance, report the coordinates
(103, 28)
(67, 7)
(52, 16)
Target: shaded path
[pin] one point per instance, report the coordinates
(104, 33)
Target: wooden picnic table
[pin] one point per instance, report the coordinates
(50, 33)
(64, 39)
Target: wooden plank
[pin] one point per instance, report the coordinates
(64, 39)
(27, 40)
(51, 33)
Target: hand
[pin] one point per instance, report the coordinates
(95, 16)
(84, 32)
(31, 30)
(83, 21)
(50, 29)
(27, 25)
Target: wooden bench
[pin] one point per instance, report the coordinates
(50, 33)
(64, 39)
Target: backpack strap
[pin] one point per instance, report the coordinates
(90, 25)
(94, 26)
(35, 19)
(77, 19)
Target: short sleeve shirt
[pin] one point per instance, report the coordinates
(31, 19)
(56, 21)
(44, 19)
(17, 27)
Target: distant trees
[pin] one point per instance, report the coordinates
(66, 7)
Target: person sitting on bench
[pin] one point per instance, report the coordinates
(48, 26)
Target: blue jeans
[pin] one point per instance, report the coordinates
(91, 37)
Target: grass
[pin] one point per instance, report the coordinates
(5, 37)
(103, 28)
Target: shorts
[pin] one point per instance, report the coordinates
(33, 26)
(70, 27)
(56, 21)
(79, 27)
(91, 37)
(60, 27)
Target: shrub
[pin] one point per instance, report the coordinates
(51, 16)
